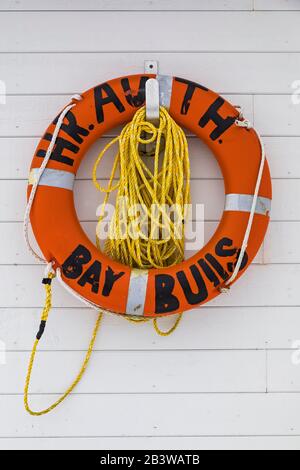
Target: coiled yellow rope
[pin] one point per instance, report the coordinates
(166, 184)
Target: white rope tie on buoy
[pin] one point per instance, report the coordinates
(247, 124)
(39, 175)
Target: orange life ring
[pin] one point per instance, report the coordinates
(111, 285)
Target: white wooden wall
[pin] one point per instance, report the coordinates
(225, 379)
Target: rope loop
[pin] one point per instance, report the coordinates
(42, 168)
(47, 282)
(244, 123)
(171, 330)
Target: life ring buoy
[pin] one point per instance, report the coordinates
(157, 292)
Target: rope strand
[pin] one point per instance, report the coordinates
(44, 317)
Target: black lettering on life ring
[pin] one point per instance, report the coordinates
(192, 297)
(221, 123)
(61, 144)
(209, 273)
(110, 279)
(217, 266)
(92, 276)
(191, 87)
(165, 301)
(231, 266)
(221, 249)
(72, 128)
(134, 100)
(101, 100)
(73, 268)
(213, 272)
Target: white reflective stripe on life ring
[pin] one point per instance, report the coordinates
(165, 90)
(243, 203)
(54, 178)
(137, 292)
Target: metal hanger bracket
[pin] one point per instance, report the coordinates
(152, 92)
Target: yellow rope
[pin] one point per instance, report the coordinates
(166, 183)
(44, 317)
(170, 331)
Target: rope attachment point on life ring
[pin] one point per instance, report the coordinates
(246, 124)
